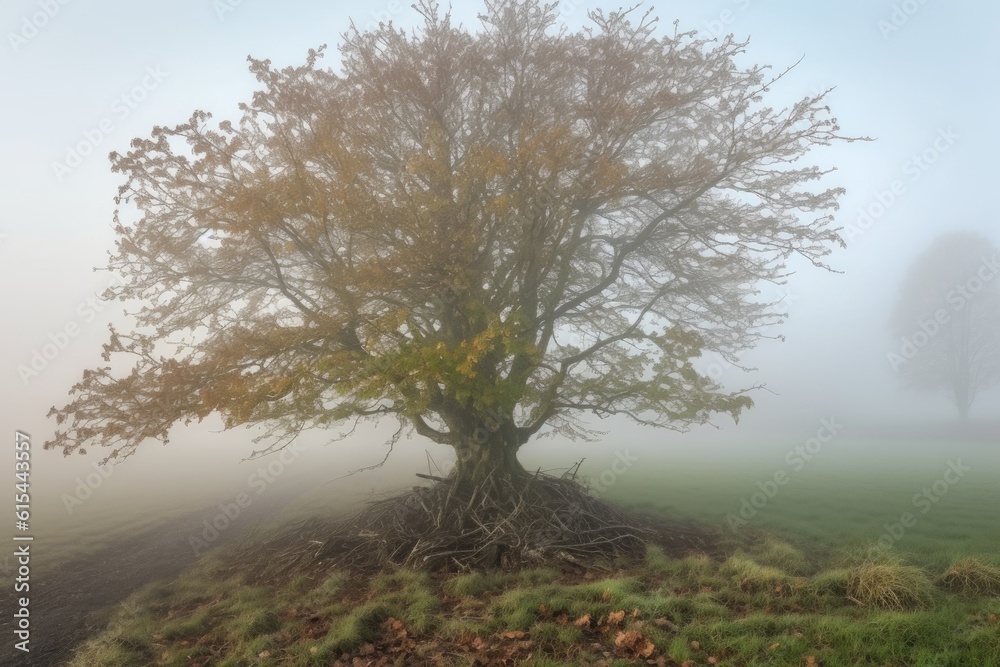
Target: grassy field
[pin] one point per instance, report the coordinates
(826, 571)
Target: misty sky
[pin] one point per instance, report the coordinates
(98, 73)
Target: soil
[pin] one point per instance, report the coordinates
(71, 603)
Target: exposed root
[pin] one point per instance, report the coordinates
(501, 523)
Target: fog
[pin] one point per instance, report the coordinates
(91, 76)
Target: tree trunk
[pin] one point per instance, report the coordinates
(486, 454)
(963, 410)
(961, 395)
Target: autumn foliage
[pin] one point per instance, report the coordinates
(482, 234)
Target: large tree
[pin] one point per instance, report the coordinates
(485, 235)
(946, 322)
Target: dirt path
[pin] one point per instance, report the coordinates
(75, 601)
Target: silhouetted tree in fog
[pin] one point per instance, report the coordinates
(946, 324)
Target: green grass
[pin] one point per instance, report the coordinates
(804, 582)
(839, 502)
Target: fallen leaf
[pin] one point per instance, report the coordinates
(264, 654)
(635, 642)
(665, 623)
(712, 660)
(616, 617)
(695, 645)
(773, 646)
(811, 661)
(514, 634)
(583, 621)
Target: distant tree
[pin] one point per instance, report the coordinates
(946, 323)
(483, 235)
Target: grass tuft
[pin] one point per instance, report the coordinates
(476, 584)
(831, 582)
(887, 583)
(751, 575)
(973, 577)
(782, 555)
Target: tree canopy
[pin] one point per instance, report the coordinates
(485, 234)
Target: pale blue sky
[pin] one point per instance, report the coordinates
(934, 74)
